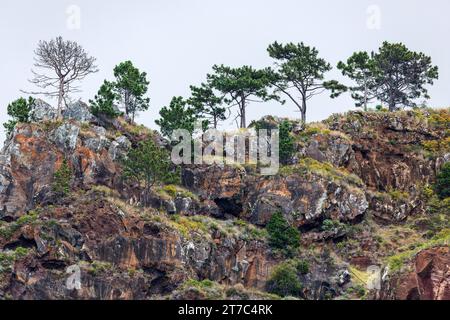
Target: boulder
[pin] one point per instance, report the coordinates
(42, 111)
(78, 111)
(66, 136)
(98, 142)
(119, 147)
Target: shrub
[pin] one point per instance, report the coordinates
(98, 267)
(287, 148)
(206, 288)
(333, 225)
(303, 267)
(103, 103)
(149, 164)
(442, 185)
(62, 179)
(171, 190)
(19, 110)
(287, 141)
(284, 280)
(281, 234)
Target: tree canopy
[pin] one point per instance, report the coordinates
(178, 115)
(148, 164)
(394, 75)
(131, 85)
(400, 75)
(207, 104)
(442, 185)
(240, 86)
(299, 70)
(359, 68)
(63, 63)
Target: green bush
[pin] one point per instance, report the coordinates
(103, 103)
(287, 147)
(333, 225)
(287, 141)
(62, 178)
(149, 164)
(303, 267)
(284, 280)
(281, 235)
(19, 110)
(442, 186)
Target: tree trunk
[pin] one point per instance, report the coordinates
(365, 93)
(303, 112)
(392, 106)
(242, 107)
(60, 100)
(127, 103)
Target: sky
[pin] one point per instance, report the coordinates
(178, 41)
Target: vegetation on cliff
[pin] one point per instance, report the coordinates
(87, 187)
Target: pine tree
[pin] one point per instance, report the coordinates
(62, 179)
(281, 235)
(400, 75)
(131, 85)
(300, 70)
(103, 103)
(240, 86)
(207, 104)
(178, 115)
(148, 164)
(19, 110)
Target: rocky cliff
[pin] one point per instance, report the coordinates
(358, 188)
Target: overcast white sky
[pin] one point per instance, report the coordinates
(177, 41)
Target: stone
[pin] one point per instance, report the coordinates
(99, 142)
(66, 136)
(78, 111)
(42, 111)
(119, 147)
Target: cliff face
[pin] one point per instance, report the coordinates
(365, 172)
(428, 278)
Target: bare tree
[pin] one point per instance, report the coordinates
(62, 63)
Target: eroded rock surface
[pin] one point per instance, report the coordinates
(358, 189)
(429, 278)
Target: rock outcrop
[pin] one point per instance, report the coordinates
(357, 187)
(429, 278)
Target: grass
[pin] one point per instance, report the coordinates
(186, 225)
(211, 290)
(8, 229)
(398, 195)
(172, 191)
(105, 191)
(99, 267)
(8, 258)
(437, 146)
(135, 129)
(396, 262)
(49, 126)
(206, 226)
(323, 169)
(361, 277)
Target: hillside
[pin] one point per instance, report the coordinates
(359, 190)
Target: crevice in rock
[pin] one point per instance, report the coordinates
(54, 265)
(229, 206)
(21, 242)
